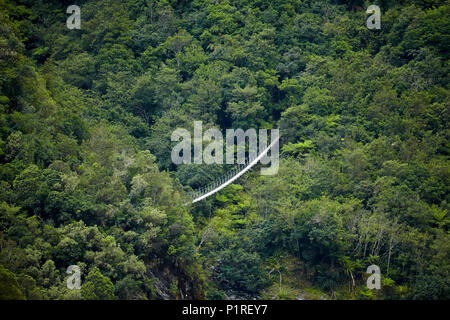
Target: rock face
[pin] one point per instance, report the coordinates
(162, 288)
(310, 296)
(164, 291)
(234, 295)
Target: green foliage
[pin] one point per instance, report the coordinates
(9, 288)
(86, 175)
(97, 287)
(242, 271)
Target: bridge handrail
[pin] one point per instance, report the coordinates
(236, 176)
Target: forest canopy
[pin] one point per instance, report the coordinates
(86, 177)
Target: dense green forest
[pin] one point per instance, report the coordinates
(86, 177)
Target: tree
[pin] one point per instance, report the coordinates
(242, 271)
(97, 287)
(9, 288)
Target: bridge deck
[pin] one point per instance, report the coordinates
(235, 176)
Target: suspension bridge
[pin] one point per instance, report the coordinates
(229, 177)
